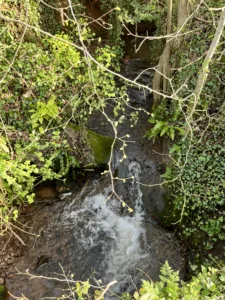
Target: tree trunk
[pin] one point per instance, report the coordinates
(160, 82)
(205, 66)
(183, 8)
(164, 68)
(166, 65)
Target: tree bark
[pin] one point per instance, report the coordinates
(160, 82)
(205, 66)
(183, 8)
(164, 67)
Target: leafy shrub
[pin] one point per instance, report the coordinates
(208, 284)
(49, 84)
(166, 121)
(21, 166)
(163, 127)
(197, 202)
(131, 12)
(198, 197)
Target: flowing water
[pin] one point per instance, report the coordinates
(98, 239)
(122, 237)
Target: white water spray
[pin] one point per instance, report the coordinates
(122, 238)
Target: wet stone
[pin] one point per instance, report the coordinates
(93, 239)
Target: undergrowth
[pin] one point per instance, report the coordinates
(46, 83)
(195, 178)
(208, 284)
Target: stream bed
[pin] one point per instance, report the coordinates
(96, 239)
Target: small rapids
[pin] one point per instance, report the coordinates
(97, 239)
(121, 236)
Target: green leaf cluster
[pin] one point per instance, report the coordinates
(20, 168)
(131, 12)
(196, 203)
(50, 82)
(166, 122)
(44, 111)
(208, 284)
(200, 191)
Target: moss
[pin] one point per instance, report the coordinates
(2, 292)
(100, 146)
(75, 128)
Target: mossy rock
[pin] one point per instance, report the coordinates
(98, 147)
(2, 292)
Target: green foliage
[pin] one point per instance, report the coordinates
(24, 10)
(19, 170)
(44, 111)
(189, 59)
(131, 12)
(55, 68)
(161, 128)
(134, 11)
(49, 83)
(51, 20)
(208, 284)
(16, 183)
(166, 122)
(167, 287)
(201, 190)
(196, 201)
(80, 290)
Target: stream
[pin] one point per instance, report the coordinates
(97, 239)
(120, 239)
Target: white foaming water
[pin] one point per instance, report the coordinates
(122, 238)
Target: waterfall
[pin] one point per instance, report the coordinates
(122, 237)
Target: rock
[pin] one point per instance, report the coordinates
(46, 192)
(138, 97)
(100, 146)
(97, 146)
(58, 243)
